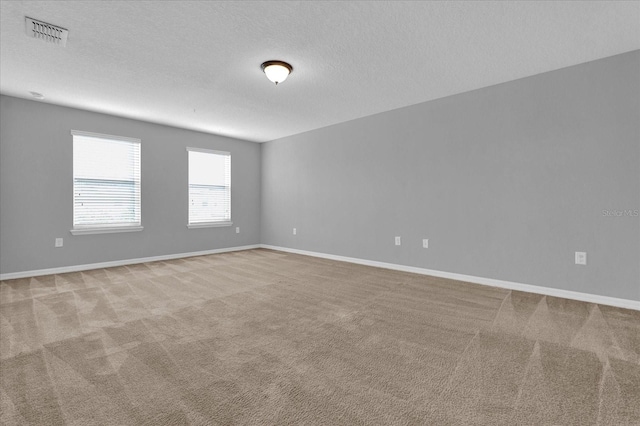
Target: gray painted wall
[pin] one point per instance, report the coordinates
(507, 182)
(36, 196)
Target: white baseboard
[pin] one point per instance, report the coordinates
(584, 297)
(76, 268)
(575, 295)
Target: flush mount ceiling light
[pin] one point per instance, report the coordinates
(276, 71)
(37, 95)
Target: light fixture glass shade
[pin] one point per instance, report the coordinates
(276, 71)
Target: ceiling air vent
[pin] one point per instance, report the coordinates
(46, 32)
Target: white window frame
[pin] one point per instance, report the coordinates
(207, 224)
(101, 229)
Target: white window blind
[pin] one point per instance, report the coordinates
(106, 181)
(209, 187)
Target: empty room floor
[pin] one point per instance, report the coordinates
(265, 337)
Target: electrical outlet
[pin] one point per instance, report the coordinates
(581, 258)
(398, 242)
(237, 230)
(59, 242)
(295, 231)
(425, 243)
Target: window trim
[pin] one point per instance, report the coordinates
(207, 151)
(102, 229)
(106, 230)
(105, 136)
(207, 224)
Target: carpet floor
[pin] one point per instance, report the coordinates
(265, 337)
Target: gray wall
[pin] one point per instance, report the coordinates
(507, 182)
(36, 196)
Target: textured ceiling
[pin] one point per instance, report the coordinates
(197, 64)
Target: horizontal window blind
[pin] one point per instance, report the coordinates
(106, 181)
(209, 186)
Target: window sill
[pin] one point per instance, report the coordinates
(208, 225)
(88, 231)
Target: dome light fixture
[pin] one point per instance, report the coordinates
(276, 71)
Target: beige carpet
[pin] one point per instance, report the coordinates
(264, 337)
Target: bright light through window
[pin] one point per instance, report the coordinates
(209, 187)
(106, 181)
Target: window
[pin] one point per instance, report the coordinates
(209, 188)
(106, 183)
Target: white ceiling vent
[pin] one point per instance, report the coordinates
(47, 32)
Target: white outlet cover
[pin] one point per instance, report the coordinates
(398, 241)
(237, 230)
(295, 231)
(425, 243)
(581, 258)
(59, 242)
